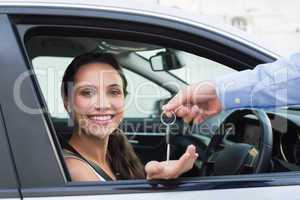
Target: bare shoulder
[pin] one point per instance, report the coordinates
(79, 170)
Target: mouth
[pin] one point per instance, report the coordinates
(101, 119)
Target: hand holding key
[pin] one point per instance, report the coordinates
(195, 103)
(171, 169)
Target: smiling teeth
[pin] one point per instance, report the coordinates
(101, 118)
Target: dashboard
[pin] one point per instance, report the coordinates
(286, 137)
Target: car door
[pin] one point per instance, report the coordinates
(37, 152)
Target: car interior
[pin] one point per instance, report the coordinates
(242, 141)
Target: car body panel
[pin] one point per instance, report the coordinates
(274, 193)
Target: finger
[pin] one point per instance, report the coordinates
(182, 111)
(193, 112)
(175, 102)
(212, 111)
(187, 119)
(183, 97)
(168, 114)
(198, 119)
(188, 158)
(190, 151)
(213, 107)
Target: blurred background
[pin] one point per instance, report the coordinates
(276, 22)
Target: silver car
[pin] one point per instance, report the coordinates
(256, 156)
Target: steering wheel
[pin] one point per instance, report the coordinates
(238, 158)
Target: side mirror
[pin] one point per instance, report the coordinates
(165, 61)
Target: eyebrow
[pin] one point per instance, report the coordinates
(114, 85)
(83, 86)
(93, 86)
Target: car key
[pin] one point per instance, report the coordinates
(168, 141)
(167, 121)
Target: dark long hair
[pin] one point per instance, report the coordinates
(124, 162)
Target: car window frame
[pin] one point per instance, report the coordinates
(21, 132)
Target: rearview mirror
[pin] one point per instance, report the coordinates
(165, 61)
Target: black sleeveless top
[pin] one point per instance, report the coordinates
(72, 152)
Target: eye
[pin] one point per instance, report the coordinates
(115, 92)
(87, 93)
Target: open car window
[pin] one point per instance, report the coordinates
(148, 90)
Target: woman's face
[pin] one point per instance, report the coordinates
(98, 99)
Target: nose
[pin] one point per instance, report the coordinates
(103, 102)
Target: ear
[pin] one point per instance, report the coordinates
(69, 110)
(67, 106)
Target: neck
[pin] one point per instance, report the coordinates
(91, 147)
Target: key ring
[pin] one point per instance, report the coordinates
(167, 123)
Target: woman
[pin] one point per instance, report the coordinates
(94, 90)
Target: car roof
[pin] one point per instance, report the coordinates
(153, 10)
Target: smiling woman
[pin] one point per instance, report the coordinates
(94, 90)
